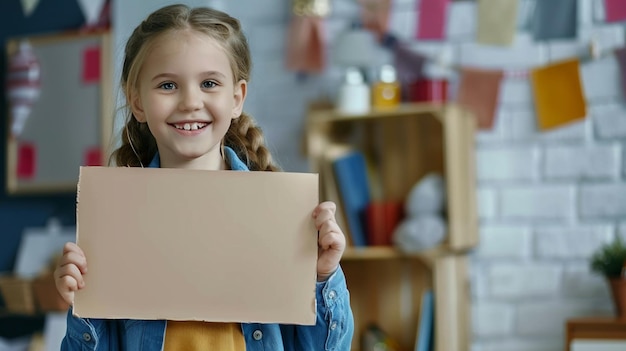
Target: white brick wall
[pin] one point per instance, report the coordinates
(537, 202)
(545, 198)
(512, 281)
(579, 161)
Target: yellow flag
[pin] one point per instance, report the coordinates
(558, 94)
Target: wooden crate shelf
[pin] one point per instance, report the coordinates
(405, 144)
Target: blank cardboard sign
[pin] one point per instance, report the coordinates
(176, 244)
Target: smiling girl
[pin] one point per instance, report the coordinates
(185, 79)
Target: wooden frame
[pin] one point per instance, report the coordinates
(70, 124)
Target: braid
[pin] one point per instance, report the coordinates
(138, 145)
(246, 138)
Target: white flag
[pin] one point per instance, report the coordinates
(91, 9)
(29, 6)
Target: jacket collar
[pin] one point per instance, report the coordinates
(231, 157)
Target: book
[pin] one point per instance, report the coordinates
(352, 181)
(328, 186)
(424, 341)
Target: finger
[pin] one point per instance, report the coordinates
(66, 288)
(326, 205)
(70, 271)
(331, 237)
(72, 247)
(323, 217)
(74, 258)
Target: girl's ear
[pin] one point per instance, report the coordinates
(241, 89)
(137, 108)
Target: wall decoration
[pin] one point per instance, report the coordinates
(558, 94)
(91, 9)
(375, 16)
(70, 124)
(497, 20)
(478, 92)
(433, 16)
(555, 19)
(306, 44)
(23, 85)
(615, 10)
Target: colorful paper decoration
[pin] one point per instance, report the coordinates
(93, 156)
(558, 94)
(432, 20)
(478, 92)
(555, 19)
(305, 39)
(26, 160)
(91, 65)
(497, 20)
(23, 85)
(615, 10)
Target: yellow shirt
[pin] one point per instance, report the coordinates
(195, 335)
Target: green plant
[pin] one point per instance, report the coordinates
(609, 258)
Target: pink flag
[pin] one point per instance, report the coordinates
(479, 91)
(615, 10)
(432, 19)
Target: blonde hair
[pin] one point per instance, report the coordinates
(243, 136)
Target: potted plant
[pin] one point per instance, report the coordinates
(609, 260)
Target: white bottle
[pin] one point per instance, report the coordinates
(354, 94)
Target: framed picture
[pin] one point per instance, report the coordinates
(65, 120)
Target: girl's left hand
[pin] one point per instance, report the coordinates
(330, 242)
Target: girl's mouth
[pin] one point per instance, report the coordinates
(190, 126)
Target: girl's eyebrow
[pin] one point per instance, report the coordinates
(203, 74)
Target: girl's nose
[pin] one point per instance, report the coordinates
(191, 100)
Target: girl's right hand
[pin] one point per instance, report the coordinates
(68, 276)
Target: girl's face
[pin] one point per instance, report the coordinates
(186, 94)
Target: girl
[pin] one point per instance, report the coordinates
(185, 78)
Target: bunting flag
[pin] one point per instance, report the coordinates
(497, 20)
(91, 10)
(615, 10)
(375, 16)
(558, 94)
(555, 19)
(478, 92)
(305, 39)
(28, 6)
(433, 15)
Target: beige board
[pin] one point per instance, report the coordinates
(179, 244)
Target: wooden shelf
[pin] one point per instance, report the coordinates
(403, 145)
(409, 109)
(428, 257)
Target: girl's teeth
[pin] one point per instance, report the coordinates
(191, 126)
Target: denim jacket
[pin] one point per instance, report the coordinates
(333, 330)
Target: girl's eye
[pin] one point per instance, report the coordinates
(167, 86)
(208, 84)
